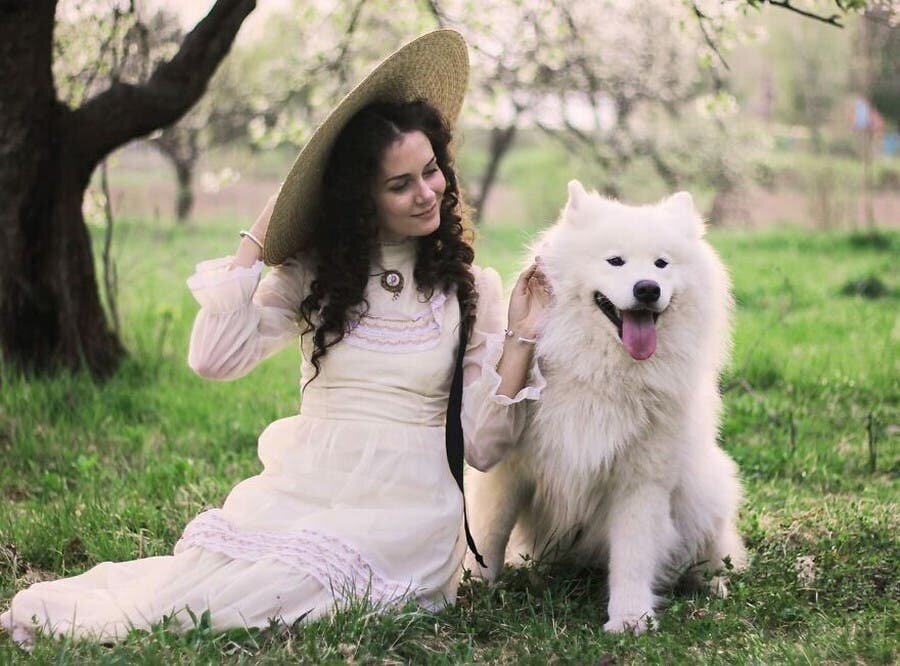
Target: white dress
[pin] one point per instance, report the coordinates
(356, 498)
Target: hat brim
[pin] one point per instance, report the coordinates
(434, 67)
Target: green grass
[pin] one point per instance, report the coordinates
(111, 472)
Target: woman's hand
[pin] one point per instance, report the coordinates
(529, 302)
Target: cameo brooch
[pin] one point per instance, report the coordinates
(392, 281)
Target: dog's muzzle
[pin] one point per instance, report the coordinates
(636, 327)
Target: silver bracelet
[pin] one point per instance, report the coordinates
(247, 234)
(509, 333)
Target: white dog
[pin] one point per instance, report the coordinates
(618, 464)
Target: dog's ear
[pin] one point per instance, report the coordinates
(577, 195)
(681, 205)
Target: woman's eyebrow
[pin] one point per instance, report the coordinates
(406, 175)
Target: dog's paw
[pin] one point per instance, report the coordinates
(636, 624)
(477, 572)
(718, 586)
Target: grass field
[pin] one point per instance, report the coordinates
(112, 472)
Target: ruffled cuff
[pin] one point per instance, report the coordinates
(221, 289)
(493, 352)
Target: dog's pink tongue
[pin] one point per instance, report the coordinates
(639, 333)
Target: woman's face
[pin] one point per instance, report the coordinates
(408, 188)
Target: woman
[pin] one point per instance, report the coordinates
(356, 498)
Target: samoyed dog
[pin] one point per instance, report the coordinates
(618, 464)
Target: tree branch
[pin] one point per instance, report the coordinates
(124, 111)
(701, 21)
(436, 12)
(576, 142)
(834, 19)
(340, 63)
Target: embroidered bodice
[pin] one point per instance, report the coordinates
(395, 364)
(403, 322)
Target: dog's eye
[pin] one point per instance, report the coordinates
(660, 263)
(615, 261)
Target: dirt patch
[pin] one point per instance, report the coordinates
(756, 207)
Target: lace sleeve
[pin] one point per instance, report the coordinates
(243, 320)
(492, 424)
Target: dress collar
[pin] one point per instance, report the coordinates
(397, 255)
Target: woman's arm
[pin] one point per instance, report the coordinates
(499, 374)
(242, 320)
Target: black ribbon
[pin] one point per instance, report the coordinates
(454, 432)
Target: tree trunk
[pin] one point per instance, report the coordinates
(50, 312)
(501, 141)
(184, 171)
(180, 144)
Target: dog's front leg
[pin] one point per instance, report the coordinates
(641, 535)
(494, 500)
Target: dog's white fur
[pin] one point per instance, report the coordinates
(619, 465)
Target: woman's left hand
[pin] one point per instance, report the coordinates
(530, 300)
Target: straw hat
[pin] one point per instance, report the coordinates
(434, 67)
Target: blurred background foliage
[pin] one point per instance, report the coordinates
(768, 117)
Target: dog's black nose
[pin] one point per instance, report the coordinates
(646, 291)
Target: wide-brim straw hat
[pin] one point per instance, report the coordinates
(434, 67)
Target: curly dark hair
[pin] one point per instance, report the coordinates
(344, 237)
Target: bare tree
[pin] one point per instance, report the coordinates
(596, 75)
(586, 83)
(50, 311)
(511, 43)
(180, 142)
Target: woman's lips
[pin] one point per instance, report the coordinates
(428, 212)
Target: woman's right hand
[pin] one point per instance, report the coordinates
(529, 301)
